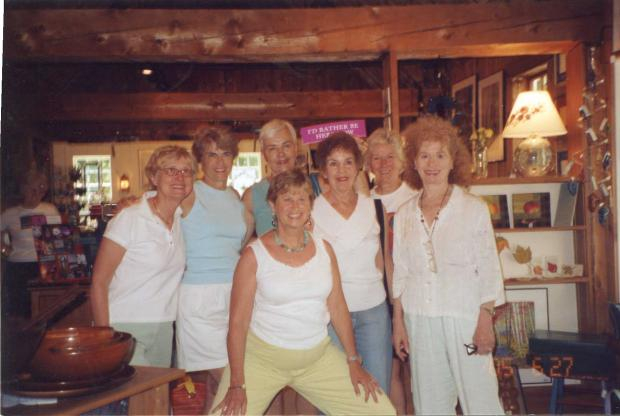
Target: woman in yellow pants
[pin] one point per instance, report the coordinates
(286, 289)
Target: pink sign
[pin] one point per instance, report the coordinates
(319, 132)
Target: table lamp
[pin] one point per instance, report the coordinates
(533, 117)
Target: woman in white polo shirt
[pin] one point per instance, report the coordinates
(142, 258)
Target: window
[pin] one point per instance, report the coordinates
(246, 171)
(538, 82)
(95, 180)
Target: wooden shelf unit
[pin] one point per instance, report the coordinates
(580, 237)
(519, 180)
(532, 281)
(541, 229)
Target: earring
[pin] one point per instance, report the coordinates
(309, 222)
(274, 220)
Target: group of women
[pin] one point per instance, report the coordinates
(305, 304)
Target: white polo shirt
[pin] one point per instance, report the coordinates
(145, 283)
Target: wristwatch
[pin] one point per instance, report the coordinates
(353, 358)
(490, 311)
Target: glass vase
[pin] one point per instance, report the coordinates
(481, 162)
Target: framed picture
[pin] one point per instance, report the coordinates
(531, 210)
(559, 68)
(491, 112)
(498, 208)
(143, 158)
(464, 113)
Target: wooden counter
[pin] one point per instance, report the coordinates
(44, 295)
(147, 391)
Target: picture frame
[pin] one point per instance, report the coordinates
(531, 210)
(143, 158)
(465, 107)
(559, 68)
(498, 208)
(491, 113)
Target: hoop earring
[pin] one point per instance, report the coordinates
(274, 221)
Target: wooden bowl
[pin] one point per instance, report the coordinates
(78, 336)
(91, 361)
(18, 346)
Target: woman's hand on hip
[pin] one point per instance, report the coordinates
(235, 402)
(360, 376)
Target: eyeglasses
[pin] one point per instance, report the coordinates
(430, 253)
(471, 349)
(186, 173)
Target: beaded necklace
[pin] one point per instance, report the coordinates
(288, 249)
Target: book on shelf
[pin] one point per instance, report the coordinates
(567, 202)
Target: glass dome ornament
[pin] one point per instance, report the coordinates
(533, 157)
(534, 117)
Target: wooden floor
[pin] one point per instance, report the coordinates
(577, 400)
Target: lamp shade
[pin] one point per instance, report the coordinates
(534, 114)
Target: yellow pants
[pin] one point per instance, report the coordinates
(320, 374)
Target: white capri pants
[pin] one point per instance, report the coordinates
(442, 372)
(202, 326)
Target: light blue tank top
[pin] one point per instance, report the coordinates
(263, 216)
(213, 230)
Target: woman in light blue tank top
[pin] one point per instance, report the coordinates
(279, 148)
(215, 230)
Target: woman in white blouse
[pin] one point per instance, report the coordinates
(348, 221)
(447, 278)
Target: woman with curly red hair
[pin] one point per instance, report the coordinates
(447, 277)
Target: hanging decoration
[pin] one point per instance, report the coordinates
(596, 158)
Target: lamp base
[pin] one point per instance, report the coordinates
(533, 157)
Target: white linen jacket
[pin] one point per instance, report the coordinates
(468, 268)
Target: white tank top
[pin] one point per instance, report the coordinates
(290, 305)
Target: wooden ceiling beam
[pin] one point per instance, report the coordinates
(315, 105)
(333, 34)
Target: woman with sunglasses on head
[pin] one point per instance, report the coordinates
(447, 277)
(141, 260)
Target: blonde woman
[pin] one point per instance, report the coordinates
(141, 260)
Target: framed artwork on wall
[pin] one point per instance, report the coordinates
(491, 112)
(531, 210)
(498, 208)
(559, 68)
(464, 113)
(143, 158)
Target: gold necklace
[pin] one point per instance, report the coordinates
(428, 245)
(443, 199)
(168, 223)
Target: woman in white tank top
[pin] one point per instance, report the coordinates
(286, 289)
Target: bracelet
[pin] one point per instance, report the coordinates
(353, 358)
(239, 386)
(490, 311)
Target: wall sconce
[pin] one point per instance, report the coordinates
(534, 117)
(124, 183)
